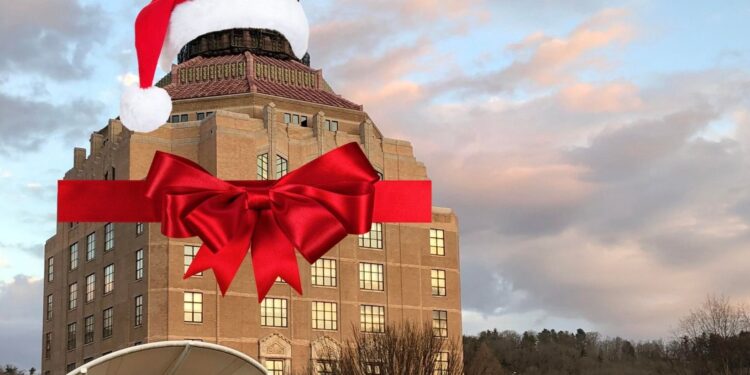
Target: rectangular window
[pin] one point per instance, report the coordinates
(71, 336)
(437, 242)
(51, 269)
(273, 312)
(90, 287)
(332, 126)
(371, 277)
(109, 279)
(47, 345)
(282, 167)
(139, 264)
(372, 319)
(88, 327)
(184, 118)
(88, 359)
(262, 166)
(107, 322)
(175, 118)
(287, 118)
(109, 237)
(373, 369)
(295, 119)
(325, 316)
(374, 238)
(91, 247)
(190, 251)
(437, 279)
(324, 273)
(48, 313)
(440, 323)
(74, 256)
(441, 363)
(72, 296)
(139, 229)
(201, 116)
(325, 367)
(138, 311)
(70, 367)
(275, 366)
(193, 307)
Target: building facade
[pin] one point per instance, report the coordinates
(244, 109)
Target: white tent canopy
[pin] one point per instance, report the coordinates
(173, 358)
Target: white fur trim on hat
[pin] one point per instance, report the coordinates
(194, 18)
(144, 110)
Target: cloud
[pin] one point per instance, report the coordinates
(20, 321)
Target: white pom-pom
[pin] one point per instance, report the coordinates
(145, 110)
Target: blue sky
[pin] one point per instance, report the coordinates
(596, 125)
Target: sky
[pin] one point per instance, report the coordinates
(596, 152)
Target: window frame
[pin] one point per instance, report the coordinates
(89, 329)
(325, 316)
(72, 334)
(138, 313)
(90, 288)
(109, 237)
(73, 296)
(195, 314)
(108, 323)
(374, 239)
(437, 242)
(268, 314)
(187, 258)
(438, 282)
(74, 256)
(261, 167)
(440, 323)
(282, 166)
(139, 265)
(373, 325)
(90, 246)
(109, 279)
(371, 269)
(323, 275)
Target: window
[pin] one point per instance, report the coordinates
(295, 119)
(139, 264)
(287, 118)
(184, 118)
(109, 236)
(201, 116)
(374, 238)
(371, 277)
(109, 279)
(88, 330)
(74, 256)
(48, 313)
(71, 336)
(107, 322)
(372, 319)
(262, 166)
(70, 367)
(273, 312)
(88, 359)
(138, 311)
(373, 369)
(441, 363)
(325, 316)
(139, 229)
(90, 287)
(275, 366)
(91, 247)
(332, 126)
(440, 323)
(193, 307)
(437, 279)
(48, 345)
(325, 367)
(175, 118)
(282, 167)
(323, 273)
(72, 296)
(50, 269)
(190, 251)
(437, 242)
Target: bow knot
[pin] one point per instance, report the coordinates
(257, 198)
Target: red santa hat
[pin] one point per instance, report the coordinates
(163, 27)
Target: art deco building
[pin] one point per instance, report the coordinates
(244, 109)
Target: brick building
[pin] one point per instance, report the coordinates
(244, 109)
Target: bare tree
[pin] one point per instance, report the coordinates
(717, 316)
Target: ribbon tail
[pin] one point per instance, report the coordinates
(273, 256)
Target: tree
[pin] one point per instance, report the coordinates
(484, 362)
(717, 316)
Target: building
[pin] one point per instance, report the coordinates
(244, 109)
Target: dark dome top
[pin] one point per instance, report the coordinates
(235, 41)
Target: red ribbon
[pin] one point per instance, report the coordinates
(310, 209)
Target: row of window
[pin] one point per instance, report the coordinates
(277, 366)
(374, 239)
(89, 328)
(302, 120)
(184, 117)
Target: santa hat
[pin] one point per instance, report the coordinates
(163, 27)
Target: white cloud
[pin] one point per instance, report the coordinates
(128, 79)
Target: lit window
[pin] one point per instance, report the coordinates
(74, 256)
(138, 311)
(48, 345)
(437, 242)
(139, 229)
(91, 247)
(437, 279)
(90, 287)
(49, 311)
(372, 319)
(441, 363)
(273, 312)
(371, 277)
(88, 330)
(440, 323)
(72, 336)
(109, 279)
(193, 307)
(139, 264)
(262, 166)
(325, 316)
(190, 251)
(51, 269)
(323, 272)
(282, 167)
(109, 236)
(374, 238)
(72, 296)
(332, 126)
(107, 322)
(275, 366)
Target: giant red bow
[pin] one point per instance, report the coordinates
(310, 209)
